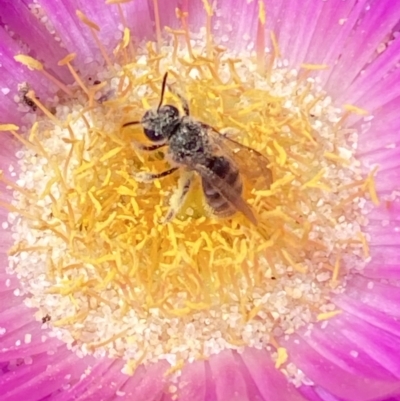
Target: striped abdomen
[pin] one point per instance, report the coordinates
(229, 173)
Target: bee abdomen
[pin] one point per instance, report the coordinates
(220, 206)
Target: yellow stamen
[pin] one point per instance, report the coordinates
(67, 61)
(356, 110)
(209, 14)
(8, 127)
(282, 357)
(328, 315)
(33, 64)
(158, 23)
(336, 270)
(314, 67)
(94, 28)
(182, 16)
(260, 46)
(36, 101)
(364, 243)
(370, 185)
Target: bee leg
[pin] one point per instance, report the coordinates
(178, 198)
(185, 104)
(144, 176)
(148, 148)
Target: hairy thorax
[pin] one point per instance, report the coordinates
(189, 144)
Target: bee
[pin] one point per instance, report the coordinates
(196, 147)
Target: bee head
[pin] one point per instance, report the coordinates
(160, 124)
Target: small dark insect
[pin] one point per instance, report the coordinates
(194, 146)
(23, 91)
(46, 318)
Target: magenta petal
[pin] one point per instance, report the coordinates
(228, 381)
(88, 380)
(384, 297)
(375, 23)
(383, 93)
(334, 345)
(335, 379)
(42, 45)
(368, 314)
(104, 385)
(149, 385)
(44, 376)
(74, 35)
(382, 346)
(374, 72)
(306, 26)
(235, 21)
(192, 383)
(140, 20)
(330, 30)
(271, 383)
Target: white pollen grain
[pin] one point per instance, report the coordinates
(28, 338)
(354, 353)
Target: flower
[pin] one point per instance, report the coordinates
(344, 50)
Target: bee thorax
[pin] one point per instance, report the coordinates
(189, 144)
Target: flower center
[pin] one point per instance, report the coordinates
(90, 246)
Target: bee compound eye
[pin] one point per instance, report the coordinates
(170, 111)
(152, 134)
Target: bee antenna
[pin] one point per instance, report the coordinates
(164, 82)
(131, 123)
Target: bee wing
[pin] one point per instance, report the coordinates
(226, 191)
(251, 163)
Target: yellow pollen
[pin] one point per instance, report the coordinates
(370, 186)
(364, 243)
(315, 181)
(356, 110)
(261, 12)
(8, 127)
(328, 315)
(314, 67)
(30, 62)
(126, 38)
(67, 59)
(87, 21)
(176, 368)
(296, 266)
(336, 270)
(282, 154)
(282, 357)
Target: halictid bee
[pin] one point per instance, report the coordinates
(194, 146)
